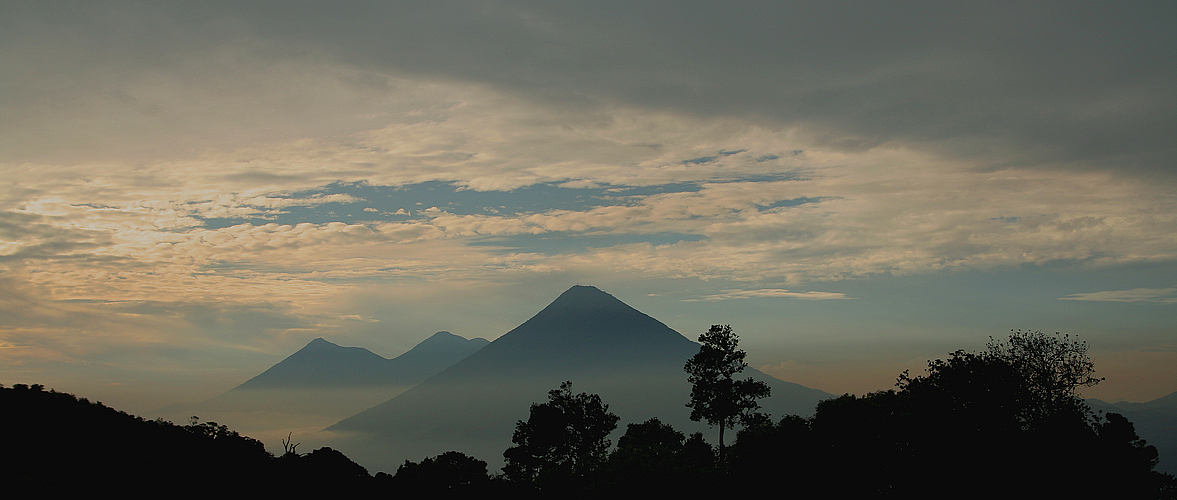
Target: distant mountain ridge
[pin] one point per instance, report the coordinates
(601, 344)
(322, 364)
(1169, 401)
(327, 379)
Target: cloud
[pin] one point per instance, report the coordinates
(957, 79)
(303, 201)
(771, 293)
(1158, 295)
(877, 212)
(1086, 89)
(189, 158)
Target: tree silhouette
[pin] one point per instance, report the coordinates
(1008, 415)
(448, 473)
(1052, 369)
(652, 458)
(561, 441)
(771, 454)
(716, 396)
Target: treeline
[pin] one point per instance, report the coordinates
(1001, 422)
(1004, 421)
(56, 443)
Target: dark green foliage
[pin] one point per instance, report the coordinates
(785, 456)
(561, 442)
(1003, 421)
(330, 466)
(649, 443)
(451, 472)
(1051, 369)
(654, 458)
(1007, 415)
(1126, 463)
(716, 396)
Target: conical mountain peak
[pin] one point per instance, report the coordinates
(439, 351)
(584, 296)
(584, 317)
(322, 363)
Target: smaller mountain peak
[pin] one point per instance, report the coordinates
(320, 345)
(445, 340)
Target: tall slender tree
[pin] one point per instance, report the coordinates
(716, 395)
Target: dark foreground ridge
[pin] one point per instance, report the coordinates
(57, 444)
(977, 425)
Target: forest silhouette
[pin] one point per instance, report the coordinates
(1006, 420)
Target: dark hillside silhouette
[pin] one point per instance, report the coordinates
(57, 444)
(974, 425)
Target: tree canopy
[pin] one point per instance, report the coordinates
(449, 473)
(1007, 415)
(1052, 368)
(562, 440)
(716, 395)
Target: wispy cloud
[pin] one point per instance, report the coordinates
(1159, 295)
(763, 293)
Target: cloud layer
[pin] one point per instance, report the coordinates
(1158, 295)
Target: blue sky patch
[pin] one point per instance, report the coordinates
(403, 203)
(563, 242)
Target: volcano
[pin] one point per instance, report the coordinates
(633, 361)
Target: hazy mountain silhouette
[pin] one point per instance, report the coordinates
(604, 346)
(1169, 401)
(324, 364)
(323, 378)
(1155, 421)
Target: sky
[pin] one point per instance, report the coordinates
(194, 190)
